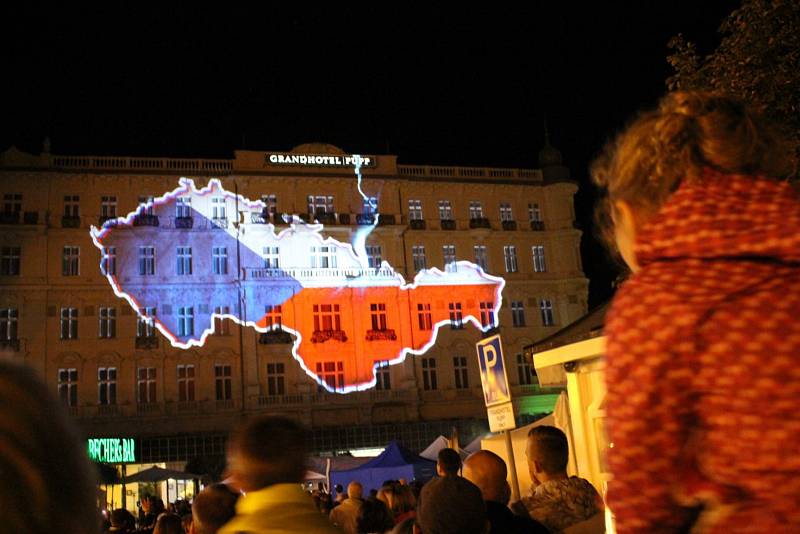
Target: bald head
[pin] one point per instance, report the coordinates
(488, 471)
(355, 490)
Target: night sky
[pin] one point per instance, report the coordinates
(445, 85)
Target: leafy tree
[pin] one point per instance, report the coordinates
(757, 60)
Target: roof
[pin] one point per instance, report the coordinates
(586, 327)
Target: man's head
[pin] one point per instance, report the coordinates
(452, 505)
(355, 490)
(121, 518)
(547, 452)
(212, 508)
(488, 471)
(266, 450)
(448, 462)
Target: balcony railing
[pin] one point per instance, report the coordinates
(219, 222)
(184, 223)
(321, 336)
(417, 224)
(148, 407)
(387, 334)
(448, 224)
(509, 225)
(70, 221)
(272, 400)
(537, 225)
(145, 220)
(187, 406)
(108, 410)
(9, 217)
(147, 342)
(307, 273)
(275, 337)
(344, 218)
(480, 222)
(365, 219)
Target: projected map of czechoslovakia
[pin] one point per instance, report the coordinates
(180, 262)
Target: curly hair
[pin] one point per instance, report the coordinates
(688, 132)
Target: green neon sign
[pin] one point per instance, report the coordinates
(112, 450)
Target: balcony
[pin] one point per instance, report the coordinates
(147, 342)
(260, 218)
(324, 218)
(9, 217)
(417, 224)
(278, 400)
(148, 407)
(9, 345)
(480, 222)
(275, 337)
(190, 406)
(321, 336)
(30, 217)
(145, 220)
(381, 335)
(108, 410)
(308, 273)
(225, 404)
(184, 223)
(386, 220)
(344, 218)
(537, 225)
(509, 225)
(70, 221)
(219, 222)
(448, 224)
(365, 219)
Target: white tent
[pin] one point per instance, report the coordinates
(519, 439)
(431, 452)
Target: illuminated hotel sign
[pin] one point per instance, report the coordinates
(319, 160)
(112, 450)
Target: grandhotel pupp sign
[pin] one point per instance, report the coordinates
(319, 160)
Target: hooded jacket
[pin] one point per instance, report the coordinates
(703, 364)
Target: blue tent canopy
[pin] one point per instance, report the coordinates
(394, 463)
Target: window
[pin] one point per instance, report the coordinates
(69, 323)
(429, 381)
(378, 315)
(524, 370)
(424, 316)
(517, 313)
(106, 386)
(273, 317)
(323, 257)
(10, 261)
(184, 261)
(12, 203)
(218, 209)
(68, 386)
(505, 212)
(219, 256)
(108, 323)
(146, 204)
(374, 256)
(332, 374)
(418, 255)
(183, 207)
(546, 307)
(108, 261)
(539, 265)
(221, 326)
(383, 378)
(534, 213)
(475, 209)
(449, 254)
(186, 321)
(108, 207)
(414, 210)
(445, 210)
(272, 257)
(326, 317)
(456, 318)
(145, 324)
(460, 371)
(72, 206)
(146, 385)
(8, 324)
(147, 261)
(480, 257)
(270, 204)
(320, 204)
(510, 256)
(487, 314)
(186, 383)
(70, 265)
(222, 381)
(276, 379)
(370, 206)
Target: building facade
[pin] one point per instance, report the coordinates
(120, 377)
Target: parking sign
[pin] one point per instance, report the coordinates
(493, 371)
